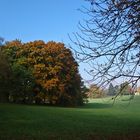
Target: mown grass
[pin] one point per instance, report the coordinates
(99, 119)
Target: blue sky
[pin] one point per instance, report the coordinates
(39, 19)
(47, 20)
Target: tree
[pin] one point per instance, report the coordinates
(53, 68)
(84, 92)
(95, 91)
(125, 89)
(21, 80)
(5, 74)
(109, 40)
(22, 85)
(117, 89)
(111, 90)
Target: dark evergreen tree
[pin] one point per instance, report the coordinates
(111, 90)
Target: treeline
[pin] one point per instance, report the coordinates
(39, 72)
(124, 88)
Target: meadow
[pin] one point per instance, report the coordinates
(99, 119)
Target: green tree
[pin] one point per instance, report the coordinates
(22, 85)
(84, 91)
(21, 79)
(5, 74)
(111, 90)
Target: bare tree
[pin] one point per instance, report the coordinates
(109, 40)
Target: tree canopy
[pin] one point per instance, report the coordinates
(44, 73)
(5, 73)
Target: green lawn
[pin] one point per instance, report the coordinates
(96, 120)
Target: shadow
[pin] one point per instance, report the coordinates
(97, 105)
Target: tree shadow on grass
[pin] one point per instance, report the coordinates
(97, 105)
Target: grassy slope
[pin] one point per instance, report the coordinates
(98, 117)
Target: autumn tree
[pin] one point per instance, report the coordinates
(109, 40)
(53, 67)
(125, 89)
(95, 91)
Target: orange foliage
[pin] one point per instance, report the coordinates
(53, 66)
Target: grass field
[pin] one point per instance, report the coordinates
(97, 120)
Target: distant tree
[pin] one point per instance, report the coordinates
(109, 40)
(111, 90)
(117, 89)
(95, 91)
(138, 89)
(125, 89)
(84, 91)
